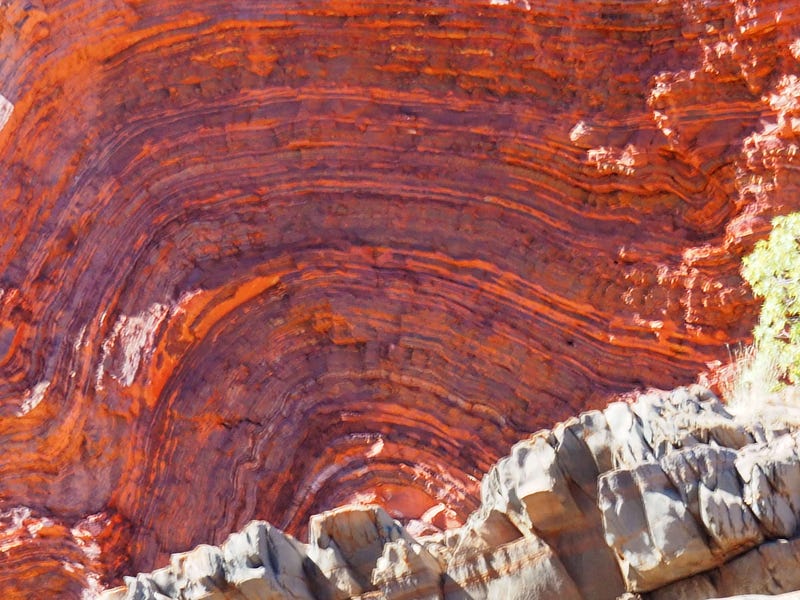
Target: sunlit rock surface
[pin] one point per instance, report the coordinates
(668, 497)
(263, 259)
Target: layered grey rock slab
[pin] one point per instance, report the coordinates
(668, 496)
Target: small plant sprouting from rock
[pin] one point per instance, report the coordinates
(761, 371)
(773, 271)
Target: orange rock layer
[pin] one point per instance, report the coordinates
(260, 259)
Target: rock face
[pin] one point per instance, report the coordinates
(668, 497)
(262, 259)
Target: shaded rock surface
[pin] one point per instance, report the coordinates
(261, 259)
(667, 497)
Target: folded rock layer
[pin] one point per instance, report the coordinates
(668, 497)
(261, 259)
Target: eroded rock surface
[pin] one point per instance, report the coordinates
(262, 259)
(668, 497)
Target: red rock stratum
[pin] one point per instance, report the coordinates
(261, 259)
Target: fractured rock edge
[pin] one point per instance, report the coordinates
(669, 496)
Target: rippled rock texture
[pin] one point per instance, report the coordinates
(261, 259)
(666, 498)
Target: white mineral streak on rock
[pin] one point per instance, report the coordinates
(130, 342)
(33, 397)
(520, 3)
(322, 477)
(178, 307)
(80, 339)
(6, 108)
(375, 449)
(611, 160)
(579, 132)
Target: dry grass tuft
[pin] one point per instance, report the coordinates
(754, 384)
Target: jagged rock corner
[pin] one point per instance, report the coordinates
(666, 497)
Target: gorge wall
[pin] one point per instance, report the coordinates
(264, 259)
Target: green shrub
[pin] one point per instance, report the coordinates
(773, 272)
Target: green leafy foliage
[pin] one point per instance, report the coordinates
(773, 272)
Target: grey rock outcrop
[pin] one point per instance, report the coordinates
(666, 497)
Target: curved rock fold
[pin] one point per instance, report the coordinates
(262, 259)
